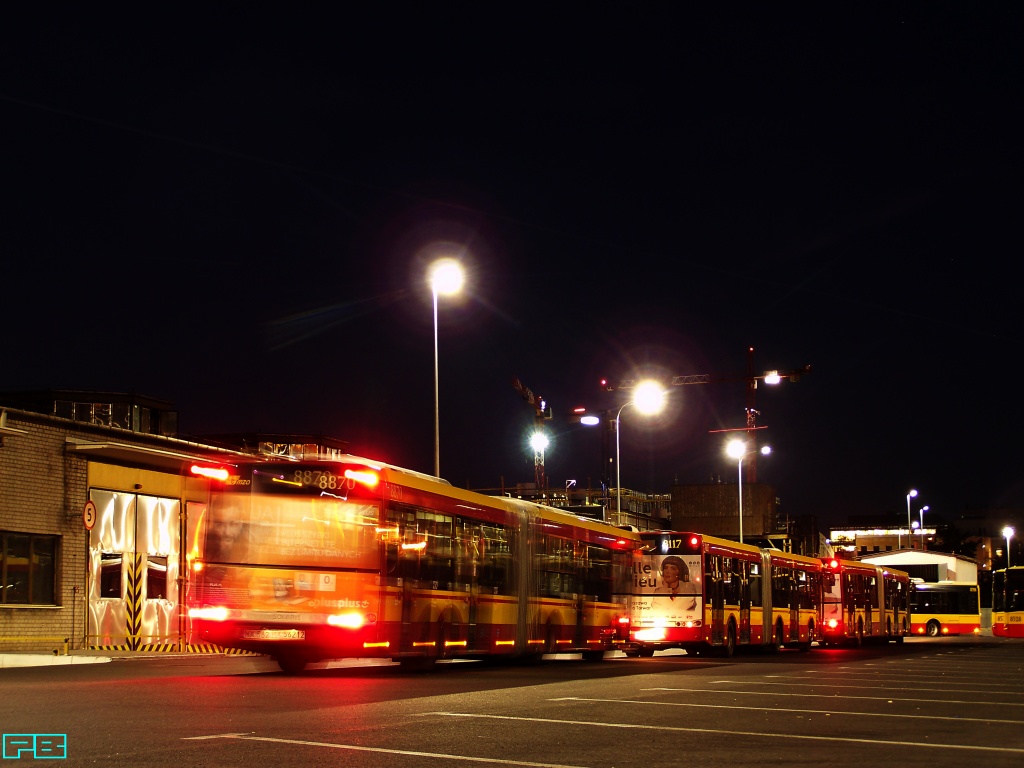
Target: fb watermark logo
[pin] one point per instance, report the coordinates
(38, 746)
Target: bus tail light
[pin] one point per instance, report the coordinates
(364, 476)
(350, 620)
(213, 473)
(210, 613)
(649, 635)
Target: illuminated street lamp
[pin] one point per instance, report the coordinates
(649, 399)
(910, 495)
(921, 512)
(737, 449)
(446, 278)
(1008, 534)
(539, 442)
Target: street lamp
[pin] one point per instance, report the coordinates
(920, 513)
(446, 278)
(649, 399)
(1008, 534)
(910, 495)
(737, 449)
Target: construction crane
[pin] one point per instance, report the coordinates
(542, 413)
(768, 377)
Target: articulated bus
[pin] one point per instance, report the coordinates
(314, 560)
(1008, 602)
(702, 593)
(945, 608)
(864, 602)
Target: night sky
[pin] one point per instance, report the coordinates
(234, 213)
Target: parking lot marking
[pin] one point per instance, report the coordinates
(355, 748)
(726, 732)
(888, 715)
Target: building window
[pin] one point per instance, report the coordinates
(28, 573)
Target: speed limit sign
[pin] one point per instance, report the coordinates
(89, 515)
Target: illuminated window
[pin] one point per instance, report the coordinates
(156, 578)
(27, 569)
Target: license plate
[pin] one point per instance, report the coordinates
(273, 634)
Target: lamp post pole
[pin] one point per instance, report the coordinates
(910, 540)
(437, 398)
(921, 512)
(649, 399)
(446, 277)
(737, 449)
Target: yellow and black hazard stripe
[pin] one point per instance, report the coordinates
(133, 602)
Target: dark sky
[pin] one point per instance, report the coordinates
(233, 212)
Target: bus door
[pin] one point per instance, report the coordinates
(716, 594)
(796, 592)
(743, 574)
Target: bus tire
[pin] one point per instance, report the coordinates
(728, 649)
(645, 651)
(777, 639)
(805, 646)
(934, 629)
(291, 663)
(593, 655)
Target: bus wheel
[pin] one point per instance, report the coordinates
(806, 646)
(729, 642)
(593, 655)
(444, 635)
(550, 639)
(934, 630)
(645, 651)
(291, 664)
(777, 640)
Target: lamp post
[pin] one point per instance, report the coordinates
(649, 399)
(1008, 534)
(920, 513)
(737, 449)
(446, 278)
(910, 495)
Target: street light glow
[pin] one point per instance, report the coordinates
(737, 449)
(1008, 534)
(446, 278)
(649, 399)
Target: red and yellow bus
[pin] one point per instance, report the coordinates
(1008, 602)
(315, 560)
(864, 602)
(945, 608)
(703, 593)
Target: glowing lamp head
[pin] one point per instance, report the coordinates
(446, 277)
(649, 398)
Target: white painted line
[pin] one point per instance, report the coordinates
(406, 752)
(834, 698)
(826, 712)
(725, 732)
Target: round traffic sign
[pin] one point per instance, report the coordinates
(89, 515)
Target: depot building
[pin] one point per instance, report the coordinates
(98, 510)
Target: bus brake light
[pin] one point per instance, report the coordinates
(214, 473)
(347, 620)
(210, 613)
(366, 477)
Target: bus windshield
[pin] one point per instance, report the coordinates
(292, 530)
